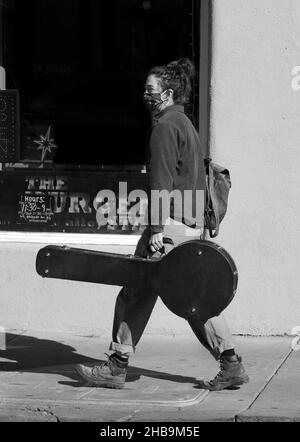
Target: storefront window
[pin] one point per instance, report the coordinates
(80, 67)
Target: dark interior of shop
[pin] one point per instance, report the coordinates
(80, 67)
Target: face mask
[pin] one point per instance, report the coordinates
(152, 100)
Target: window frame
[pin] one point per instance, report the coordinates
(203, 120)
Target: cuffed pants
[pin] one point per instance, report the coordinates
(134, 306)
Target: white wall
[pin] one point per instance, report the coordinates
(255, 131)
(28, 301)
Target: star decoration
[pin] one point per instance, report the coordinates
(45, 144)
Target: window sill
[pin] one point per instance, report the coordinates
(68, 238)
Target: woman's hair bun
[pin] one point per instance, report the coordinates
(187, 66)
(176, 75)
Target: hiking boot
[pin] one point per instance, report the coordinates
(109, 374)
(232, 374)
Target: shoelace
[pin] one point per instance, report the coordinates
(219, 375)
(107, 363)
(221, 372)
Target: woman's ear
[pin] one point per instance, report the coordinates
(169, 94)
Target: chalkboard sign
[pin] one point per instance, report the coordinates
(35, 208)
(9, 126)
(70, 201)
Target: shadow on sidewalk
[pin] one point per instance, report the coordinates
(31, 354)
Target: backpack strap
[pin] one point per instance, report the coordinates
(209, 210)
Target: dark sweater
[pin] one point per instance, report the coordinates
(175, 162)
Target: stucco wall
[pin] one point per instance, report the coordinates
(255, 132)
(28, 301)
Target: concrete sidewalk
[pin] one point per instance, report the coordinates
(38, 381)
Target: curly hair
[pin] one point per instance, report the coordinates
(176, 75)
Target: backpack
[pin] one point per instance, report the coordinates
(218, 184)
